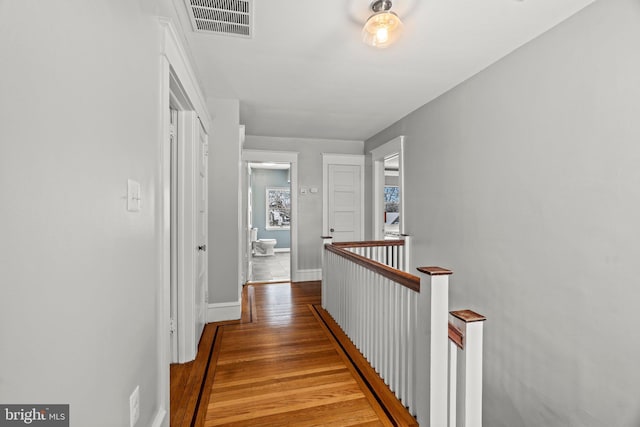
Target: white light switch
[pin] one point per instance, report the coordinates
(303, 190)
(314, 190)
(133, 196)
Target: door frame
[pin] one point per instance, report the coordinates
(189, 132)
(378, 156)
(175, 75)
(340, 159)
(291, 157)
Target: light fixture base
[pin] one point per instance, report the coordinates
(381, 5)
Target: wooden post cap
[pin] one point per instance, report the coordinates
(434, 271)
(468, 316)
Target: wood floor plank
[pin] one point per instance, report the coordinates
(355, 412)
(300, 403)
(263, 387)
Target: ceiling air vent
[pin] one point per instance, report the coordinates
(229, 17)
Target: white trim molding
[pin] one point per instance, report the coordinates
(308, 275)
(176, 54)
(160, 418)
(174, 67)
(224, 311)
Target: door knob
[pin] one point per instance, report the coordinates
(332, 230)
(202, 248)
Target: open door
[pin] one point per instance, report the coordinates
(189, 263)
(201, 286)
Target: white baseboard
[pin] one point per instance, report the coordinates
(224, 311)
(308, 275)
(281, 249)
(160, 418)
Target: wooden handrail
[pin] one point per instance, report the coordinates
(456, 336)
(403, 278)
(369, 243)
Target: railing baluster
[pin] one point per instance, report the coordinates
(403, 346)
(380, 325)
(393, 369)
(453, 382)
(360, 308)
(412, 320)
(394, 256)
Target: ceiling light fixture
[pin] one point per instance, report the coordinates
(383, 27)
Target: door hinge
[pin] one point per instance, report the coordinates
(172, 326)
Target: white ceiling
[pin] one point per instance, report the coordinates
(306, 74)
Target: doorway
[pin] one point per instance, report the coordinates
(269, 222)
(388, 186)
(269, 212)
(184, 106)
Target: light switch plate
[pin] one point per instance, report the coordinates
(133, 196)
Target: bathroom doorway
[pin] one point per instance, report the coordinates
(247, 246)
(269, 217)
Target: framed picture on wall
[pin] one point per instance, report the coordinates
(278, 209)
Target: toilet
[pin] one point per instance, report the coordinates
(262, 247)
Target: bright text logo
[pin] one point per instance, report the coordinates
(36, 415)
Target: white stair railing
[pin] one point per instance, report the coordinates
(400, 323)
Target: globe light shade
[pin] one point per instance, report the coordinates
(382, 29)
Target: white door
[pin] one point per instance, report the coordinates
(201, 288)
(344, 198)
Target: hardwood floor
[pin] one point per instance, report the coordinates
(278, 366)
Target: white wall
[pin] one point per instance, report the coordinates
(309, 175)
(224, 190)
(80, 275)
(525, 182)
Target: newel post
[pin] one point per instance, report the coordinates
(434, 301)
(326, 240)
(470, 364)
(406, 262)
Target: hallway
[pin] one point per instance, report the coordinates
(280, 366)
